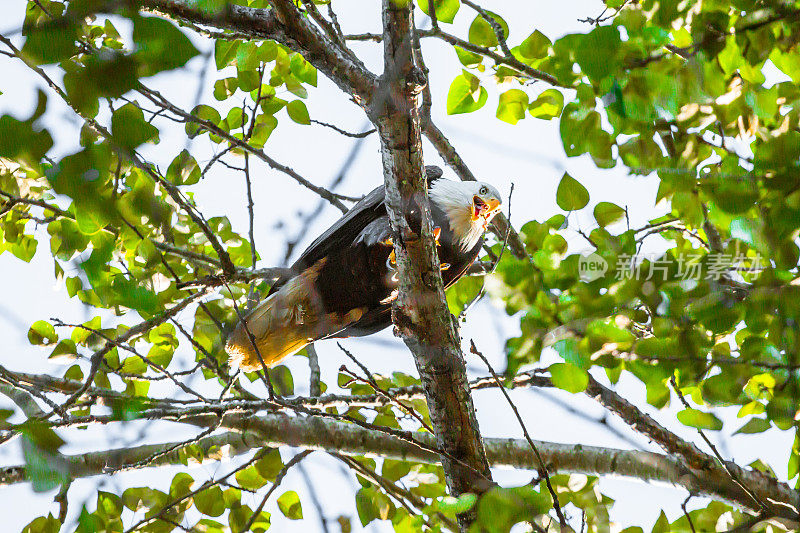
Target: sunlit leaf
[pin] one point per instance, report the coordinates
(466, 94)
(571, 195)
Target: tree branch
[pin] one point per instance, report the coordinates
(314, 433)
(284, 24)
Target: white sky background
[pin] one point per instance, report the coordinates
(529, 154)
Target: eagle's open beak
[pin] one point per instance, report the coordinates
(484, 209)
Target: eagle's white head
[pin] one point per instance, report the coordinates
(470, 206)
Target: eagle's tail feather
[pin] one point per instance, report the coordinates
(284, 323)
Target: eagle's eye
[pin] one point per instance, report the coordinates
(483, 190)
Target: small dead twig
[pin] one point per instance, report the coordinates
(542, 467)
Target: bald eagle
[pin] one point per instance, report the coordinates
(344, 283)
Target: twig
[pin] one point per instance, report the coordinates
(542, 467)
(379, 390)
(343, 132)
(314, 382)
(312, 492)
(275, 484)
(686, 513)
(761, 505)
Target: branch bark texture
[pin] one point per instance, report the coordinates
(250, 432)
(420, 313)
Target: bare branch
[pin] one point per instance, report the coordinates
(542, 467)
(343, 132)
(284, 24)
(315, 433)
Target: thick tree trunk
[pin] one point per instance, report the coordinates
(420, 314)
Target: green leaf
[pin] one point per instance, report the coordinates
(129, 127)
(512, 105)
(371, 504)
(754, 425)
(445, 9)
(569, 377)
(270, 465)
(225, 52)
(225, 87)
(183, 170)
(247, 57)
(210, 501)
(571, 195)
(42, 333)
(81, 335)
(181, 485)
(606, 213)
(65, 350)
(202, 112)
(160, 45)
(289, 504)
(500, 508)
(262, 522)
(264, 126)
(295, 87)
(700, 420)
(282, 379)
(467, 58)
(535, 46)
(597, 53)
(394, 470)
(212, 7)
(461, 96)
(134, 365)
(44, 466)
(749, 231)
(298, 112)
(20, 140)
(109, 505)
(547, 105)
(481, 32)
(110, 74)
(43, 524)
(51, 42)
(249, 478)
(302, 69)
(463, 503)
(234, 119)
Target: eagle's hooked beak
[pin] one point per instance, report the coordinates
(485, 209)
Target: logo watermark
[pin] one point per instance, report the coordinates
(591, 267)
(695, 267)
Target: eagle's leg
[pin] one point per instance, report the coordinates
(391, 262)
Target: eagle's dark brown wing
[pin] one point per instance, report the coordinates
(348, 229)
(342, 285)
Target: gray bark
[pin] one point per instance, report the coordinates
(420, 313)
(251, 432)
